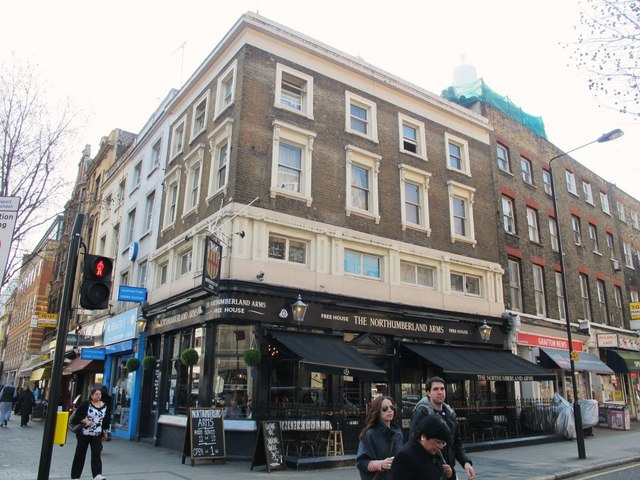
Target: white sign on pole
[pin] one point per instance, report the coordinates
(8, 215)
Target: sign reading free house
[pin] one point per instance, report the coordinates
(121, 327)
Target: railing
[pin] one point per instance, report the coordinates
(480, 421)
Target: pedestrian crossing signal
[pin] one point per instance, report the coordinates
(95, 289)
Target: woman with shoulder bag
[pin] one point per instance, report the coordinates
(380, 440)
(94, 416)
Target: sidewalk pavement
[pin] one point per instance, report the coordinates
(123, 460)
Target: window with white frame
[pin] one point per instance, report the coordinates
(362, 264)
(504, 162)
(571, 182)
(412, 136)
(616, 315)
(184, 262)
(532, 225)
(121, 190)
(457, 154)
(633, 294)
(362, 182)
(538, 290)
(288, 249)
(115, 240)
(172, 182)
(546, 182)
(156, 152)
(621, 213)
(587, 192)
(142, 274)
(526, 170)
(515, 285)
(508, 215)
(553, 234)
(177, 138)
(634, 220)
(292, 162)
(610, 245)
(193, 166)
(465, 284)
(361, 116)
(415, 274)
(414, 188)
(136, 175)
(124, 279)
(560, 296)
(604, 202)
(294, 90)
(225, 89)
(148, 211)
(626, 253)
(584, 296)
(602, 301)
(163, 273)
(461, 212)
(593, 237)
(131, 227)
(577, 230)
(102, 248)
(220, 150)
(199, 120)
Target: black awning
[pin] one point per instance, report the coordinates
(480, 363)
(559, 360)
(623, 361)
(326, 353)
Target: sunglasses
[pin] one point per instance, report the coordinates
(386, 408)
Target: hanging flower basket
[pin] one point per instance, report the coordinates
(189, 357)
(133, 364)
(149, 363)
(252, 357)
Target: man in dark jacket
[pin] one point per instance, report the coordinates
(434, 403)
(27, 402)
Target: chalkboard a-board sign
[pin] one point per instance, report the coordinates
(204, 436)
(268, 449)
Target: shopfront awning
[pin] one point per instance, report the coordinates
(623, 361)
(28, 367)
(78, 364)
(43, 373)
(480, 363)
(559, 360)
(326, 353)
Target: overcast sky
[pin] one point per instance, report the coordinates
(116, 60)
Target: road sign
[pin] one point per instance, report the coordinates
(44, 320)
(575, 356)
(8, 215)
(132, 294)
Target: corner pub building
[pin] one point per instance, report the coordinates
(353, 217)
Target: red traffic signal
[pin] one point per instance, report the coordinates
(95, 289)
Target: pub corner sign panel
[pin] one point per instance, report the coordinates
(211, 267)
(261, 308)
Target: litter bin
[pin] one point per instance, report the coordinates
(619, 418)
(38, 410)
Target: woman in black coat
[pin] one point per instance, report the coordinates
(27, 402)
(420, 458)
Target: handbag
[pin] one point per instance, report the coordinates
(74, 424)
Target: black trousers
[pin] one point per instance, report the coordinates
(84, 442)
(24, 419)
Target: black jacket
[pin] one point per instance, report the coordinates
(454, 450)
(413, 462)
(27, 402)
(379, 443)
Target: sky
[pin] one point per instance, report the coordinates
(117, 60)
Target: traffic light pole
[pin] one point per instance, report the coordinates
(61, 344)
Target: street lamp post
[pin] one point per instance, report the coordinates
(577, 414)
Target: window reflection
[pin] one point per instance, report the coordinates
(233, 380)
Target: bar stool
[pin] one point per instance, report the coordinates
(335, 445)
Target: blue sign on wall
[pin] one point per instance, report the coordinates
(121, 327)
(132, 294)
(92, 354)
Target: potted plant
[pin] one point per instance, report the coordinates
(133, 364)
(189, 357)
(252, 357)
(149, 363)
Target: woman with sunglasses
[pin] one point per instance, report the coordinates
(420, 458)
(380, 440)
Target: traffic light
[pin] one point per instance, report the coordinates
(96, 282)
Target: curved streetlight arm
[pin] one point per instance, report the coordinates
(606, 137)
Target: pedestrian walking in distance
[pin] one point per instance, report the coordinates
(93, 415)
(7, 397)
(434, 403)
(27, 402)
(380, 439)
(421, 457)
